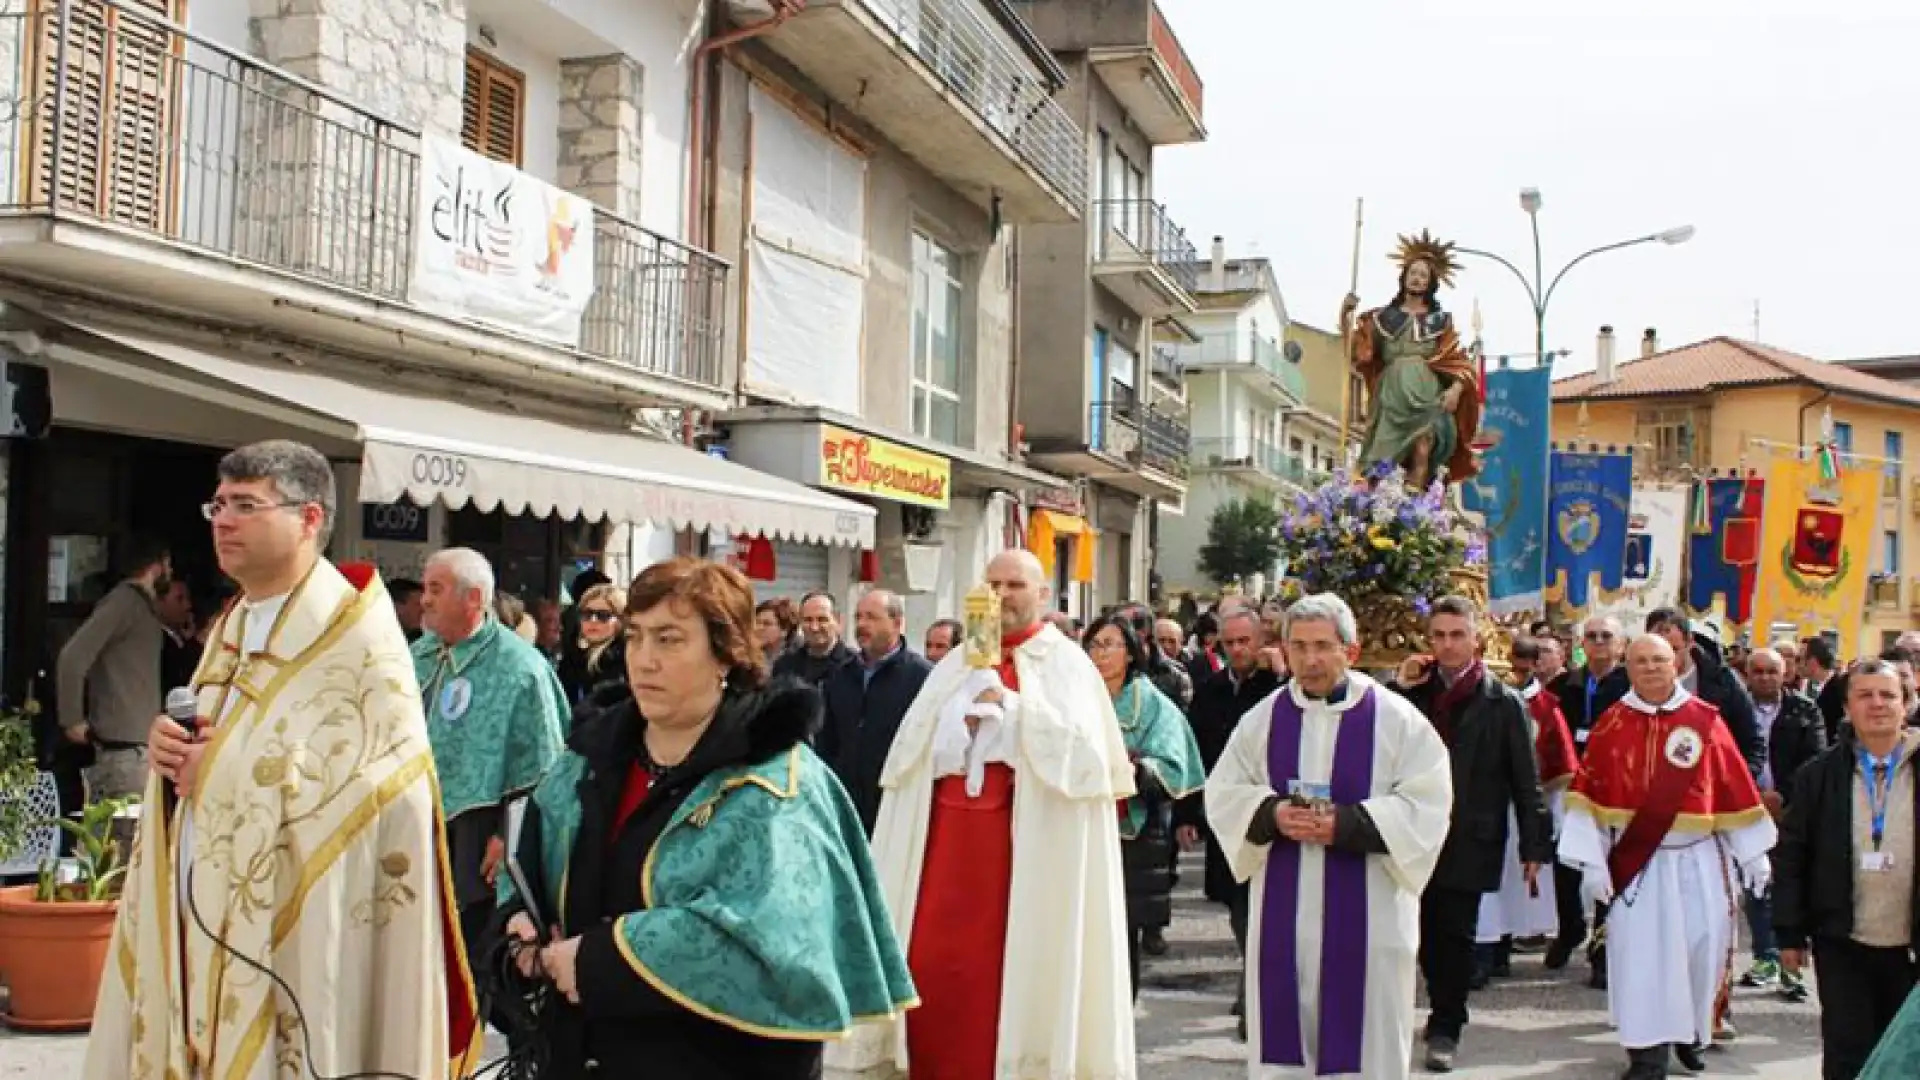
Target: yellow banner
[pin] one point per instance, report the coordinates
(1816, 550)
(864, 465)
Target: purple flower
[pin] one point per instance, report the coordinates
(1422, 607)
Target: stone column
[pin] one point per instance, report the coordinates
(326, 185)
(600, 132)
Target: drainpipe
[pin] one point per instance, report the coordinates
(705, 70)
(1823, 395)
(1015, 429)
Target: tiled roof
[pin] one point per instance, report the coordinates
(1722, 363)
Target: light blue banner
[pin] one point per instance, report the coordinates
(1511, 490)
(1587, 507)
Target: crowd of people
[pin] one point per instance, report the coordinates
(727, 838)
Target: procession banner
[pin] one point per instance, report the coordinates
(1511, 490)
(1656, 543)
(494, 245)
(1723, 550)
(1816, 550)
(1587, 502)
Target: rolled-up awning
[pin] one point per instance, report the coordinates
(430, 448)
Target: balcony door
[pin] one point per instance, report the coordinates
(109, 89)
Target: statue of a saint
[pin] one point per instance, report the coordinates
(1423, 390)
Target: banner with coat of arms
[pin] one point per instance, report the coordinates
(1723, 548)
(1587, 504)
(1816, 550)
(1511, 490)
(1656, 543)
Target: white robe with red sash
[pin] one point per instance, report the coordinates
(1670, 930)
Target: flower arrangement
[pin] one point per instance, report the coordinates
(1364, 534)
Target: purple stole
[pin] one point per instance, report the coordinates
(1343, 948)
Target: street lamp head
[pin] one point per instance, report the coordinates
(1530, 200)
(1678, 235)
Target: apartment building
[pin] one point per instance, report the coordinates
(1256, 433)
(871, 162)
(1096, 294)
(449, 244)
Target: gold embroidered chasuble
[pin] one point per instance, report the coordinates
(316, 849)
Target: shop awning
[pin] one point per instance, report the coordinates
(430, 448)
(1046, 526)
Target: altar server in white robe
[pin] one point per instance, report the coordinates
(1520, 909)
(1333, 796)
(1664, 822)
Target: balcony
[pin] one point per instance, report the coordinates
(1883, 591)
(1256, 459)
(949, 86)
(1143, 258)
(1139, 448)
(1247, 355)
(142, 161)
(1136, 54)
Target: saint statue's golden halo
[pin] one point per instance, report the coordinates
(1436, 254)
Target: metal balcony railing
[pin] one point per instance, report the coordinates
(1167, 365)
(1243, 453)
(973, 57)
(1231, 347)
(1166, 443)
(1883, 590)
(1141, 227)
(123, 119)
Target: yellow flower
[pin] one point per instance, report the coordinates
(1381, 541)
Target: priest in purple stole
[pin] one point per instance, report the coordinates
(1333, 798)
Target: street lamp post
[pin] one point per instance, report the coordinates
(1539, 294)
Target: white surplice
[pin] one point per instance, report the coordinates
(1066, 1004)
(1513, 910)
(1411, 804)
(1670, 932)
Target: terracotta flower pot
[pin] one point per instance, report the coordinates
(55, 954)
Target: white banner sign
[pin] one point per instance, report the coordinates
(1656, 537)
(495, 245)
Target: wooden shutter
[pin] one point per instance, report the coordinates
(112, 155)
(492, 111)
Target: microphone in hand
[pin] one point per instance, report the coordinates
(183, 708)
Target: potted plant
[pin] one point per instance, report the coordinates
(62, 924)
(1387, 549)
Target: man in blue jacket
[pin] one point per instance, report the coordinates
(866, 699)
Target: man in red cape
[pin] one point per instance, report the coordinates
(998, 847)
(1665, 823)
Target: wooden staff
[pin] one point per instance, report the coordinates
(1346, 327)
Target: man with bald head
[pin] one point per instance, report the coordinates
(997, 845)
(867, 697)
(1662, 817)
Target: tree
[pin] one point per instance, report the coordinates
(1243, 539)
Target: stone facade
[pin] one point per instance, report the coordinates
(600, 131)
(326, 183)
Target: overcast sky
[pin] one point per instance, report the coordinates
(1789, 140)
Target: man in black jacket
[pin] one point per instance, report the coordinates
(1843, 872)
(1585, 694)
(1697, 659)
(866, 699)
(1794, 734)
(1219, 701)
(1484, 724)
(821, 649)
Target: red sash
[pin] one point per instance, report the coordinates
(1650, 824)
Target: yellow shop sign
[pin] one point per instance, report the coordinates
(864, 465)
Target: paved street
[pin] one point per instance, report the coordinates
(1537, 1024)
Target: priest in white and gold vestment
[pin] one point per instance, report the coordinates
(297, 830)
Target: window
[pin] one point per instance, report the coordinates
(1676, 436)
(938, 401)
(112, 155)
(493, 108)
(1843, 438)
(1890, 472)
(1122, 365)
(1890, 552)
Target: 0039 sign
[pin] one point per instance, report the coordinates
(439, 470)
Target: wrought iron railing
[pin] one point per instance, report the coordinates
(1232, 347)
(974, 58)
(1167, 365)
(1245, 453)
(1129, 227)
(127, 120)
(1166, 443)
(1883, 590)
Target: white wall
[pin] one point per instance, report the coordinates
(224, 22)
(540, 133)
(1263, 317)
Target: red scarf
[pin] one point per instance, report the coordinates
(1448, 706)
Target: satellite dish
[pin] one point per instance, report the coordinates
(1291, 351)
